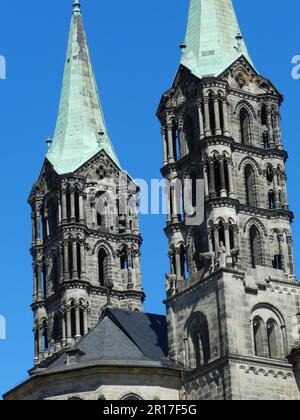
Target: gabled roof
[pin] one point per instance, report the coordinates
(213, 39)
(80, 130)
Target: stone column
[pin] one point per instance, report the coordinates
(75, 263)
(35, 282)
(36, 346)
(285, 203)
(236, 236)
(171, 158)
(211, 163)
(72, 198)
(291, 256)
(64, 205)
(270, 129)
(218, 131)
(69, 327)
(206, 187)
(210, 240)
(82, 259)
(281, 252)
(175, 212)
(40, 340)
(85, 321)
(64, 330)
(178, 264)
(66, 261)
(278, 133)
(59, 211)
(165, 147)
(207, 128)
(230, 179)
(222, 176)
(276, 189)
(225, 117)
(33, 228)
(37, 225)
(81, 209)
(227, 240)
(77, 317)
(217, 239)
(39, 281)
(201, 122)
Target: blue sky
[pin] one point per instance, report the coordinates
(134, 47)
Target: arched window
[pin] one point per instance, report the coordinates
(52, 217)
(45, 335)
(220, 103)
(54, 274)
(81, 319)
(217, 176)
(56, 329)
(71, 265)
(211, 105)
(199, 342)
(183, 262)
(124, 258)
(264, 115)
(272, 339)
(266, 140)
(258, 332)
(221, 233)
(76, 198)
(131, 397)
(176, 146)
(271, 199)
(73, 320)
(189, 133)
(250, 186)
(102, 267)
(68, 202)
(270, 174)
(245, 126)
(255, 247)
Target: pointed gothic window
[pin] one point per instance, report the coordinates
(183, 262)
(73, 320)
(102, 267)
(264, 115)
(45, 335)
(68, 202)
(245, 126)
(189, 133)
(76, 199)
(56, 328)
(124, 258)
(212, 117)
(258, 331)
(255, 247)
(271, 199)
(266, 140)
(250, 186)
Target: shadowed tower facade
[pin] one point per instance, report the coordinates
(233, 297)
(86, 244)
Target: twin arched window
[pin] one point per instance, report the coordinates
(199, 353)
(267, 338)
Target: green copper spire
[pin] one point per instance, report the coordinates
(213, 40)
(80, 130)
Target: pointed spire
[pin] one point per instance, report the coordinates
(213, 39)
(76, 7)
(80, 118)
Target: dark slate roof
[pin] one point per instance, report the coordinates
(120, 338)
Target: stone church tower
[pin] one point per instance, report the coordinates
(233, 301)
(233, 298)
(86, 240)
